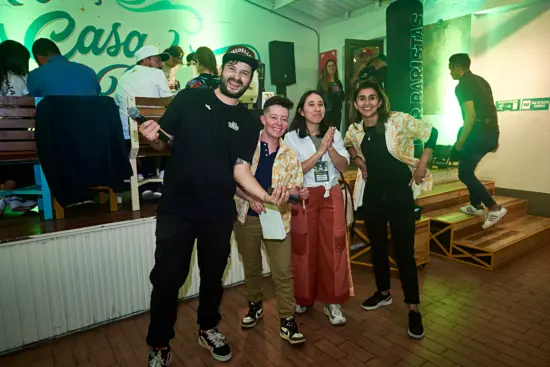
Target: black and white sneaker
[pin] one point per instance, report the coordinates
(376, 300)
(255, 312)
(214, 341)
(160, 357)
(289, 331)
(416, 329)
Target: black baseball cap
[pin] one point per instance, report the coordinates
(190, 58)
(176, 52)
(242, 54)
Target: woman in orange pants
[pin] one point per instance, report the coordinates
(320, 259)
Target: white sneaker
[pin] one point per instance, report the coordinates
(140, 177)
(493, 218)
(300, 310)
(147, 195)
(335, 314)
(472, 210)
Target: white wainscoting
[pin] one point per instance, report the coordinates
(57, 283)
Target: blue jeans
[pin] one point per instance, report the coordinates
(476, 147)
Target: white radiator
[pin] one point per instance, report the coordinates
(56, 283)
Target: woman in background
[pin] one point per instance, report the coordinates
(320, 261)
(394, 178)
(332, 91)
(207, 68)
(14, 67)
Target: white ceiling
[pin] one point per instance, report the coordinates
(323, 10)
(316, 12)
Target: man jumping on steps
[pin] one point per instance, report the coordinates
(479, 136)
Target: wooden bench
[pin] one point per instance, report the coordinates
(17, 146)
(152, 109)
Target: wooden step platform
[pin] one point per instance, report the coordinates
(421, 245)
(450, 224)
(499, 245)
(449, 194)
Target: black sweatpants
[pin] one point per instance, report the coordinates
(175, 241)
(395, 206)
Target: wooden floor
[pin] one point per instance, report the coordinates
(15, 227)
(473, 317)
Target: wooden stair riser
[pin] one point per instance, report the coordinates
(494, 260)
(521, 247)
(467, 228)
(445, 200)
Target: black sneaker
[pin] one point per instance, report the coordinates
(255, 312)
(416, 329)
(375, 301)
(160, 357)
(214, 341)
(289, 331)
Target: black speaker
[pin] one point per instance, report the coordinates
(282, 66)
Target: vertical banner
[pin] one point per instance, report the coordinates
(404, 84)
(326, 56)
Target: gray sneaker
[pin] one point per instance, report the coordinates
(335, 314)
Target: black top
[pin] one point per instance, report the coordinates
(333, 99)
(385, 172)
(264, 171)
(209, 137)
(474, 88)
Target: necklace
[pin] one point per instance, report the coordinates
(368, 132)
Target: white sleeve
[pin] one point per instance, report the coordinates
(162, 84)
(291, 142)
(339, 145)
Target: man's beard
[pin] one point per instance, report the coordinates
(225, 91)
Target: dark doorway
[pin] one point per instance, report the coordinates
(353, 51)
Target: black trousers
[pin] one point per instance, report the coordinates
(335, 117)
(397, 208)
(175, 241)
(477, 146)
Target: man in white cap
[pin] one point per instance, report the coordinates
(146, 79)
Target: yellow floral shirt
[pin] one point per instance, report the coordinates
(287, 172)
(401, 130)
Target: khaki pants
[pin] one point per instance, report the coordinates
(249, 241)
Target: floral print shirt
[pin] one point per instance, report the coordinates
(287, 172)
(401, 130)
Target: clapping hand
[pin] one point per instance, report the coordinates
(328, 139)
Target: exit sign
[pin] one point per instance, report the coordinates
(526, 104)
(510, 105)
